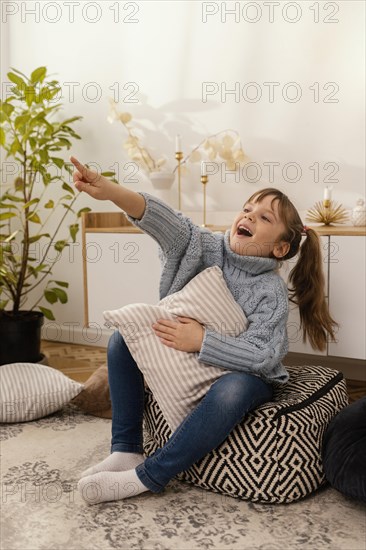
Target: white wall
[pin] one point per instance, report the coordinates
(168, 53)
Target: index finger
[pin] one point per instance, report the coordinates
(88, 176)
(78, 164)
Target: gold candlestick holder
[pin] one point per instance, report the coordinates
(179, 156)
(327, 212)
(204, 180)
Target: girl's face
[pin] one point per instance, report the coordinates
(256, 230)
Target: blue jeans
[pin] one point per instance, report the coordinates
(227, 401)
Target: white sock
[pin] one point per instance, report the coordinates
(106, 486)
(116, 462)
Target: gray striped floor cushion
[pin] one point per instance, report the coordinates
(274, 454)
(30, 390)
(178, 379)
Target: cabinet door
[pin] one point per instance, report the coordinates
(296, 343)
(347, 296)
(122, 268)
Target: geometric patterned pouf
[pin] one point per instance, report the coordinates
(274, 453)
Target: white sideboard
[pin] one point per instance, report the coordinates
(347, 295)
(343, 260)
(121, 266)
(122, 270)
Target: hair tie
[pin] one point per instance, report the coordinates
(305, 229)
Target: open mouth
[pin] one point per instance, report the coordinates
(244, 231)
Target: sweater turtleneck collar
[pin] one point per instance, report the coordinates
(251, 264)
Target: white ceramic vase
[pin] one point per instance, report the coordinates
(162, 180)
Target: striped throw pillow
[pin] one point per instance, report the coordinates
(31, 390)
(177, 379)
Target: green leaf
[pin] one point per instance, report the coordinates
(48, 137)
(2, 137)
(61, 295)
(43, 155)
(68, 188)
(108, 174)
(38, 119)
(19, 72)
(73, 119)
(86, 209)
(50, 204)
(33, 217)
(35, 164)
(15, 147)
(74, 228)
(17, 93)
(32, 272)
(41, 267)
(47, 313)
(60, 245)
(37, 237)
(30, 95)
(69, 167)
(48, 92)
(46, 178)
(32, 142)
(50, 296)
(62, 142)
(29, 203)
(54, 90)
(14, 198)
(21, 120)
(17, 80)
(59, 162)
(7, 108)
(7, 215)
(62, 283)
(38, 75)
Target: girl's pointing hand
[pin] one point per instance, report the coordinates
(89, 181)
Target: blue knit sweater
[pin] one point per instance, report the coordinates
(185, 250)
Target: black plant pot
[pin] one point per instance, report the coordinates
(20, 336)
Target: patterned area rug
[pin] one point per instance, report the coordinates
(42, 509)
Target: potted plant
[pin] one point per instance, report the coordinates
(34, 138)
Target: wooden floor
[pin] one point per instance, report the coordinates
(79, 362)
(76, 361)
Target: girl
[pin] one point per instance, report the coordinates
(266, 231)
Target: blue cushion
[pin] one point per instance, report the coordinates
(344, 451)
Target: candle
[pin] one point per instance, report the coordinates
(178, 143)
(327, 193)
(203, 168)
